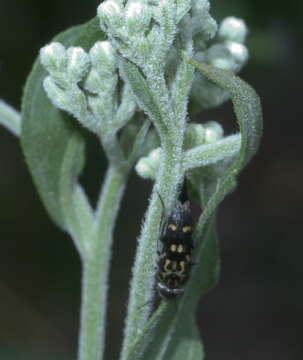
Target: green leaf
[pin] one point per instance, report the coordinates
(76, 211)
(46, 132)
(171, 326)
(248, 112)
(143, 95)
(189, 344)
(247, 108)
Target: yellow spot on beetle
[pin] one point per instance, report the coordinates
(172, 227)
(173, 248)
(186, 229)
(163, 255)
(180, 249)
(182, 265)
(167, 264)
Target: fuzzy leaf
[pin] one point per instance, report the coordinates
(189, 346)
(247, 108)
(211, 153)
(143, 94)
(46, 132)
(248, 112)
(169, 330)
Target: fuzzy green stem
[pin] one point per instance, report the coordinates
(10, 118)
(96, 268)
(142, 284)
(207, 154)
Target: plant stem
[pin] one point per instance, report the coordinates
(142, 284)
(96, 267)
(10, 118)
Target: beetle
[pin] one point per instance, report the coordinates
(175, 259)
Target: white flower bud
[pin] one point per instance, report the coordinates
(53, 57)
(229, 55)
(137, 17)
(93, 82)
(233, 29)
(148, 166)
(194, 135)
(144, 169)
(78, 63)
(155, 156)
(111, 13)
(103, 57)
(213, 131)
(238, 51)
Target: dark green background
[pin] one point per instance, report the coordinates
(256, 312)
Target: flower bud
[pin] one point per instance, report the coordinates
(110, 12)
(103, 57)
(137, 17)
(233, 29)
(144, 169)
(148, 166)
(78, 63)
(53, 57)
(213, 131)
(194, 135)
(238, 51)
(229, 55)
(218, 55)
(154, 156)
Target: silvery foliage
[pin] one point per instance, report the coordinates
(156, 36)
(155, 39)
(85, 85)
(143, 66)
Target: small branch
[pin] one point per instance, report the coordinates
(168, 26)
(142, 284)
(10, 118)
(126, 109)
(76, 211)
(83, 214)
(183, 80)
(96, 268)
(112, 148)
(211, 153)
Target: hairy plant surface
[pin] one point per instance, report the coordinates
(136, 76)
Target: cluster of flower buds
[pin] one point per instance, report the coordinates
(85, 85)
(229, 53)
(132, 19)
(66, 67)
(126, 26)
(231, 34)
(156, 35)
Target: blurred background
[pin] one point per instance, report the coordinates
(256, 312)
